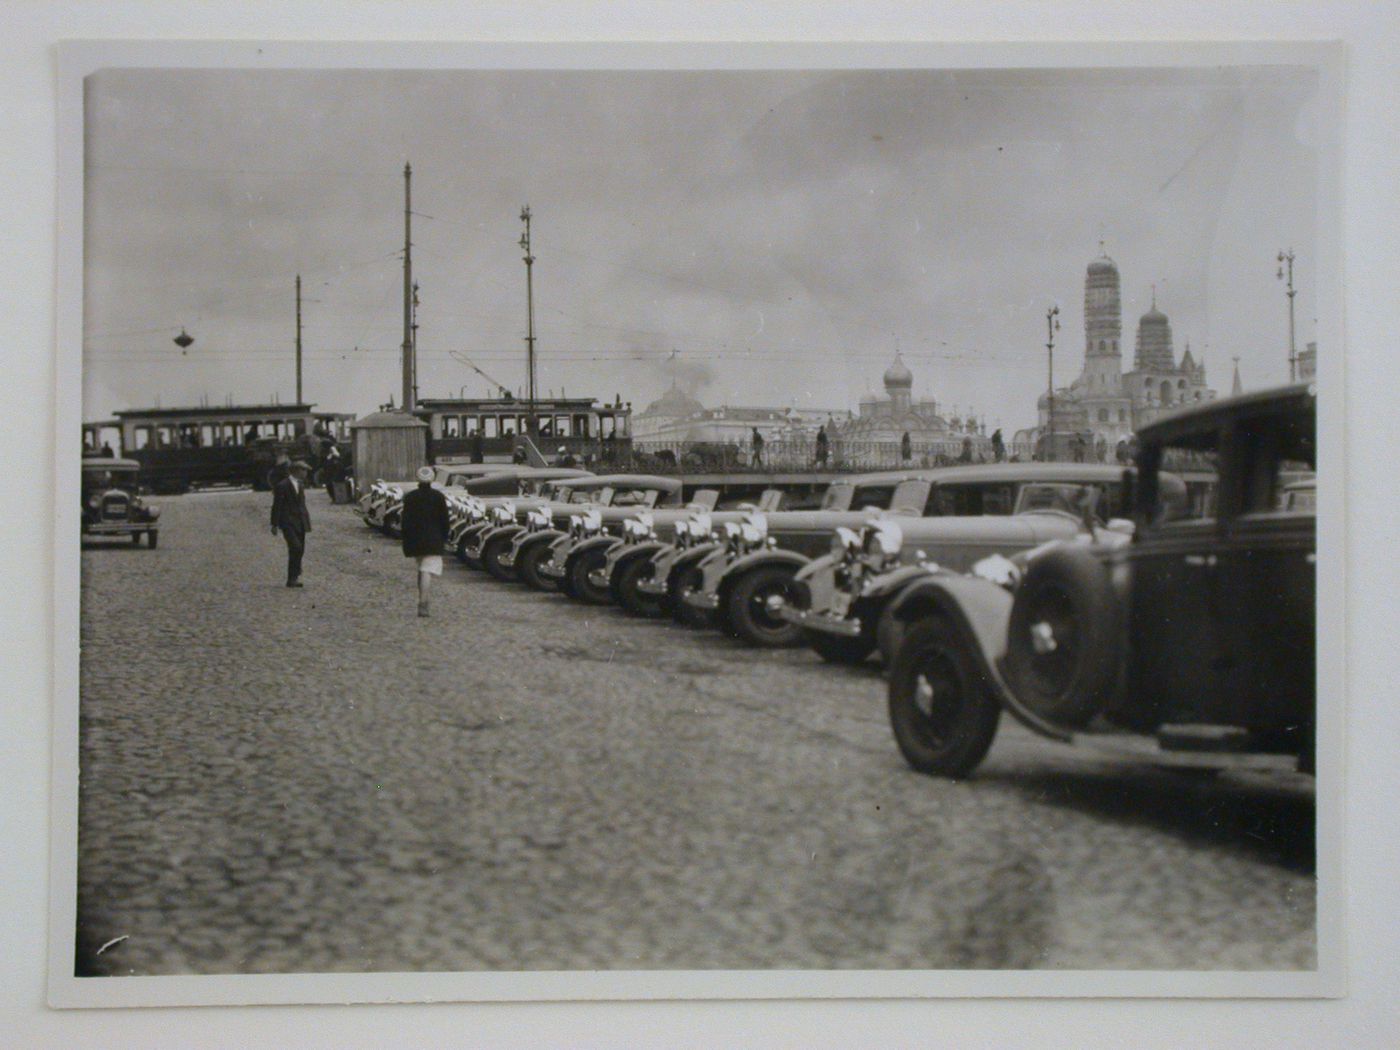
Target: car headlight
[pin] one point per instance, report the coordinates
(757, 523)
(883, 539)
(700, 526)
(845, 542)
(998, 569)
(682, 531)
(592, 521)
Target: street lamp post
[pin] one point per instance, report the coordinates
(1287, 258)
(530, 317)
(1052, 324)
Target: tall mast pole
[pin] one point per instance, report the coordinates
(1051, 323)
(409, 364)
(1287, 257)
(298, 338)
(530, 317)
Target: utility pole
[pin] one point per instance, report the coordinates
(298, 338)
(530, 318)
(1287, 257)
(413, 330)
(1052, 323)
(409, 364)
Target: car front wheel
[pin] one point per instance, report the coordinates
(528, 564)
(491, 556)
(835, 649)
(584, 589)
(688, 581)
(943, 717)
(630, 596)
(753, 604)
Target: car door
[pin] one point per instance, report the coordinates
(1177, 646)
(1268, 570)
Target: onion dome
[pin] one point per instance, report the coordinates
(898, 376)
(1103, 265)
(675, 403)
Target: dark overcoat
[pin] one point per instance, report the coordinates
(425, 521)
(289, 508)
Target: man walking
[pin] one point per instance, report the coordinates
(756, 448)
(289, 514)
(823, 446)
(425, 528)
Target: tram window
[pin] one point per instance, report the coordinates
(489, 427)
(607, 426)
(581, 427)
(143, 437)
(561, 427)
(165, 437)
(507, 426)
(208, 434)
(451, 426)
(470, 425)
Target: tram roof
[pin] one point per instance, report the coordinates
(217, 411)
(542, 405)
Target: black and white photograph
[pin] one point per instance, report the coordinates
(798, 523)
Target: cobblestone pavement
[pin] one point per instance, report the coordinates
(290, 781)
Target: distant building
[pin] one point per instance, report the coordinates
(661, 416)
(677, 417)
(1105, 404)
(885, 420)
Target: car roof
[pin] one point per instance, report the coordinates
(1299, 396)
(650, 481)
(989, 472)
(107, 462)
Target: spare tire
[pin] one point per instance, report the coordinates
(1063, 652)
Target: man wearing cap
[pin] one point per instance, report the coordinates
(563, 459)
(425, 528)
(289, 514)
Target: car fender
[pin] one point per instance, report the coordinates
(980, 612)
(690, 559)
(593, 543)
(771, 556)
(633, 552)
(889, 583)
(815, 565)
(534, 539)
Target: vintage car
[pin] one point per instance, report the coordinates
(843, 600)
(515, 547)
(112, 504)
(1193, 644)
(630, 561)
(679, 569)
(483, 514)
(491, 479)
(745, 583)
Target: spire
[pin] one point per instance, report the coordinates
(1236, 388)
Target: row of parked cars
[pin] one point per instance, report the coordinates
(1165, 610)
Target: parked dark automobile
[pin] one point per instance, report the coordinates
(1192, 644)
(112, 504)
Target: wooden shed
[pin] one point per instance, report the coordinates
(389, 446)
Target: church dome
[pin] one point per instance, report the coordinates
(675, 403)
(1153, 316)
(1103, 264)
(898, 376)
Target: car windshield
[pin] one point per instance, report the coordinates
(838, 496)
(1058, 496)
(876, 496)
(109, 478)
(909, 496)
(632, 498)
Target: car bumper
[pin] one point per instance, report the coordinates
(118, 528)
(702, 600)
(825, 622)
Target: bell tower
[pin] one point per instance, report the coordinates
(1103, 327)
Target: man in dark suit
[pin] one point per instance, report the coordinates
(289, 514)
(425, 527)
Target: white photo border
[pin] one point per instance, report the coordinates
(77, 59)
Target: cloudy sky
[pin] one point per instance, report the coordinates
(783, 233)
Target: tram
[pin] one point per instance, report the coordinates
(184, 448)
(488, 429)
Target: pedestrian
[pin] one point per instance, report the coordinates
(475, 447)
(425, 527)
(823, 446)
(519, 456)
(756, 448)
(107, 452)
(906, 448)
(289, 514)
(1078, 447)
(966, 455)
(1121, 452)
(564, 459)
(332, 470)
(1100, 448)
(998, 446)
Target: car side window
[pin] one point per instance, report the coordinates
(1275, 452)
(877, 496)
(1198, 455)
